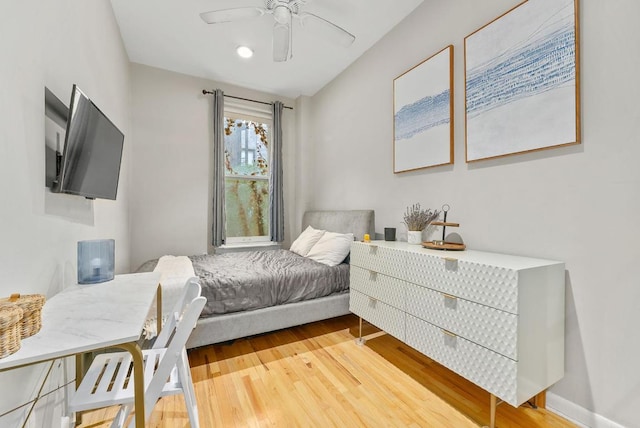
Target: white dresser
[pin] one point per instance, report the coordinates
(495, 319)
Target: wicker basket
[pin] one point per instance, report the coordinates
(10, 316)
(31, 305)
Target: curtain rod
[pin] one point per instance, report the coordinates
(205, 92)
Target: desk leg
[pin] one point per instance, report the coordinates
(138, 379)
(80, 359)
(159, 309)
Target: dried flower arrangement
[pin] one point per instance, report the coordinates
(417, 219)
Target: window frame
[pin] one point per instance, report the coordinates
(255, 113)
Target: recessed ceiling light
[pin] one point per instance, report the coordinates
(244, 51)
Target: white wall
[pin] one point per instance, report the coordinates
(53, 44)
(171, 192)
(578, 204)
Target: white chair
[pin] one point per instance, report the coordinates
(166, 368)
(189, 292)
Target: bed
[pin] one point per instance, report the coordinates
(303, 290)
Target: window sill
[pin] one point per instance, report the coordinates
(247, 246)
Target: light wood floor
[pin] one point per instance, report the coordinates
(317, 376)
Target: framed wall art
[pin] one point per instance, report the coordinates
(522, 81)
(423, 114)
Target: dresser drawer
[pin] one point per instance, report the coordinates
(388, 261)
(379, 286)
(383, 316)
(486, 326)
(491, 371)
(489, 285)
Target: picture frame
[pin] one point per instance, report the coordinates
(423, 114)
(522, 86)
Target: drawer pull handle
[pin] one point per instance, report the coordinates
(448, 333)
(373, 275)
(372, 299)
(449, 296)
(450, 264)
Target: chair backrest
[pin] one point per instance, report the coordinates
(190, 291)
(184, 325)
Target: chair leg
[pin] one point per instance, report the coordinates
(187, 389)
(121, 416)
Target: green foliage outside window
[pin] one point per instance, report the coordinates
(247, 204)
(246, 182)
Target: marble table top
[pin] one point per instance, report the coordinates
(87, 317)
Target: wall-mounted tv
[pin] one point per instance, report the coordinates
(92, 153)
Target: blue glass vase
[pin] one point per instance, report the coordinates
(96, 260)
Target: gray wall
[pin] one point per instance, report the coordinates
(171, 195)
(53, 44)
(578, 204)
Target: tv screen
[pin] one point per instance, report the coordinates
(92, 151)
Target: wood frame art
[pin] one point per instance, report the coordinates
(522, 86)
(423, 114)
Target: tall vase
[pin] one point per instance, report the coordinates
(414, 237)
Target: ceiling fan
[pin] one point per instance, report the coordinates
(283, 11)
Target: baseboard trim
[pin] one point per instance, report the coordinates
(576, 414)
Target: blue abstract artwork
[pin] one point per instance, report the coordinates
(422, 115)
(521, 88)
(423, 107)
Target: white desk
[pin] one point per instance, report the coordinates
(84, 318)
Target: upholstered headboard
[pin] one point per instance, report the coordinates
(357, 222)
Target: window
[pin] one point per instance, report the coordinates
(246, 139)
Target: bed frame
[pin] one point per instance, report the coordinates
(222, 328)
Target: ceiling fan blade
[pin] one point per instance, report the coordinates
(281, 33)
(328, 29)
(229, 15)
(281, 42)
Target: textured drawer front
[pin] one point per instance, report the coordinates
(490, 285)
(388, 261)
(490, 371)
(381, 287)
(383, 316)
(486, 326)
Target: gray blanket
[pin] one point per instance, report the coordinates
(241, 281)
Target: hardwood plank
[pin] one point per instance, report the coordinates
(317, 376)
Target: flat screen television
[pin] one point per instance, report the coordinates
(92, 154)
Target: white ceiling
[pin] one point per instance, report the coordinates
(170, 34)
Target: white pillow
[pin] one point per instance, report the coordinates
(306, 240)
(332, 248)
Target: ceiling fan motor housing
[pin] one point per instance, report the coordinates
(292, 6)
(282, 15)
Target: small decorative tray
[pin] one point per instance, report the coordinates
(442, 245)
